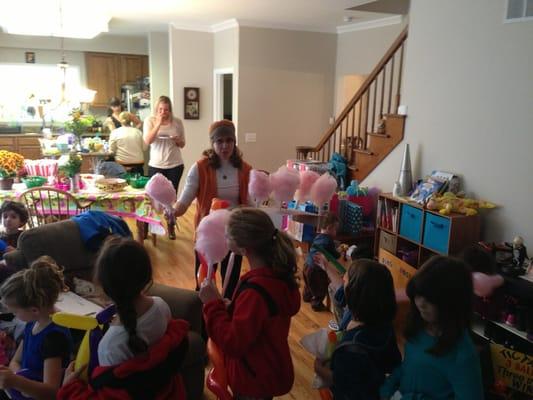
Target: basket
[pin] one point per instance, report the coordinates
(34, 181)
(138, 182)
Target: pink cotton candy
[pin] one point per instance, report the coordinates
(211, 236)
(307, 179)
(259, 187)
(323, 189)
(284, 183)
(161, 190)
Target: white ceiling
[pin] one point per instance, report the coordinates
(140, 16)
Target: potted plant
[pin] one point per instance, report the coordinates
(70, 167)
(10, 165)
(79, 124)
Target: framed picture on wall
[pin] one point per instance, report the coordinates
(30, 57)
(191, 103)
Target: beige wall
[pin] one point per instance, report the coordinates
(158, 53)
(286, 85)
(226, 55)
(359, 52)
(469, 89)
(191, 65)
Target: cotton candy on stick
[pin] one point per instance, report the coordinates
(323, 189)
(284, 183)
(259, 187)
(211, 238)
(307, 179)
(160, 189)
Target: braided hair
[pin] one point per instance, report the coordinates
(124, 270)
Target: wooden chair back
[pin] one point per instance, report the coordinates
(48, 204)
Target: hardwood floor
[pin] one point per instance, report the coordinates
(173, 263)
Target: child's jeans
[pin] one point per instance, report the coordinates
(316, 284)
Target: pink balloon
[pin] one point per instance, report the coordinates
(485, 284)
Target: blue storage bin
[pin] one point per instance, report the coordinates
(351, 217)
(437, 233)
(411, 223)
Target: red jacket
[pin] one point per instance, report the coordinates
(254, 342)
(153, 375)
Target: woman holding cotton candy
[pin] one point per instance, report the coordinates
(221, 173)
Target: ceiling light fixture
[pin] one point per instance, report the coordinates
(41, 18)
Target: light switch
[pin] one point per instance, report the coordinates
(250, 137)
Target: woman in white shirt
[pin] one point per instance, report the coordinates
(165, 135)
(127, 144)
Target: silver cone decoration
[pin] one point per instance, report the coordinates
(406, 178)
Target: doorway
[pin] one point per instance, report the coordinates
(224, 105)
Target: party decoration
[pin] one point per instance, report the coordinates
(323, 189)
(307, 179)
(259, 187)
(284, 183)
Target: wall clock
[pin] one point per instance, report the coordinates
(191, 103)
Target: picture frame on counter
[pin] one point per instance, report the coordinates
(29, 57)
(191, 103)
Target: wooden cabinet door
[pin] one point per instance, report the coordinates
(102, 76)
(145, 70)
(29, 148)
(8, 143)
(131, 68)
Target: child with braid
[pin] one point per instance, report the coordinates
(37, 366)
(124, 271)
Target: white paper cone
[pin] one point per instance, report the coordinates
(229, 270)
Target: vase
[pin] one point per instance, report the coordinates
(74, 183)
(406, 179)
(6, 183)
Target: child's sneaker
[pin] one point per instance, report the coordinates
(333, 325)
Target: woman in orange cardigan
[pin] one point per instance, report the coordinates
(221, 173)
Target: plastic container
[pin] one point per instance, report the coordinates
(34, 181)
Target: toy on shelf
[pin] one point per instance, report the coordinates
(449, 202)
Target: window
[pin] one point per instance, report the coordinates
(26, 87)
(519, 10)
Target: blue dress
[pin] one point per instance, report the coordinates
(455, 375)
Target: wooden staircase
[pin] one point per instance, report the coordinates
(367, 130)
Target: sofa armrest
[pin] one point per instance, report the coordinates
(183, 304)
(15, 260)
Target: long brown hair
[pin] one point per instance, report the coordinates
(214, 160)
(123, 269)
(38, 286)
(446, 283)
(252, 229)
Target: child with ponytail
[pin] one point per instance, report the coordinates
(38, 364)
(252, 331)
(141, 353)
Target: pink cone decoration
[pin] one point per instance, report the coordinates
(307, 179)
(161, 190)
(323, 189)
(259, 187)
(284, 183)
(210, 236)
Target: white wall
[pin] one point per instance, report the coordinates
(226, 55)
(469, 88)
(358, 52)
(191, 65)
(158, 56)
(286, 86)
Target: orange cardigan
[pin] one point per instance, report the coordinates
(207, 188)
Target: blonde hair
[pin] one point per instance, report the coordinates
(38, 286)
(253, 230)
(125, 118)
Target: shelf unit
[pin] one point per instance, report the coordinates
(413, 234)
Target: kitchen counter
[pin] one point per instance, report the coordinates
(40, 135)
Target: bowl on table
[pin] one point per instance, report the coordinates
(138, 182)
(111, 184)
(34, 181)
(89, 180)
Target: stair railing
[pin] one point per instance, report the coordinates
(378, 95)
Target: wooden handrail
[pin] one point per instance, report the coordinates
(364, 87)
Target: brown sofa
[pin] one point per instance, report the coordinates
(61, 241)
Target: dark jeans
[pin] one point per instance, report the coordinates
(233, 279)
(172, 174)
(135, 169)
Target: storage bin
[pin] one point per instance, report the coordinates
(411, 223)
(436, 233)
(387, 242)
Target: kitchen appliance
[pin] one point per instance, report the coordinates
(126, 94)
(135, 97)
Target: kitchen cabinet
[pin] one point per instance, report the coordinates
(28, 147)
(107, 72)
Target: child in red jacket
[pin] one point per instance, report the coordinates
(252, 331)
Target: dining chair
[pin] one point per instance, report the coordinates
(48, 204)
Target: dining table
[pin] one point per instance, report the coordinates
(127, 203)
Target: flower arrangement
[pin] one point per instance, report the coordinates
(71, 165)
(79, 123)
(10, 164)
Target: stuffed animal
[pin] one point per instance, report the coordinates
(449, 202)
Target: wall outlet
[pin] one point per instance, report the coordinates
(250, 138)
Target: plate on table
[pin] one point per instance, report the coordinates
(111, 184)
